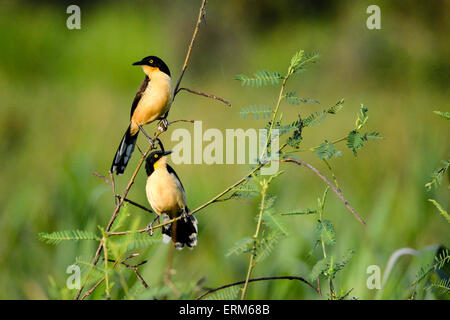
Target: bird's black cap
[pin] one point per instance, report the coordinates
(153, 61)
(153, 158)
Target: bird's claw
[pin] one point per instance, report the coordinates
(163, 124)
(149, 228)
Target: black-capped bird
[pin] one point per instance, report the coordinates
(166, 195)
(152, 102)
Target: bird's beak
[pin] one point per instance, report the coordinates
(167, 153)
(139, 63)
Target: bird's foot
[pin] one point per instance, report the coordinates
(163, 124)
(150, 140)
(149, 228)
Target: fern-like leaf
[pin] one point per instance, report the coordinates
(318, 269)
(293, 99)
(440, 209)
(326, 151)
(266, 246)
(300, 212)
(442, 285)
(338, 266)
(136, 240)
(69, 235)
(274, 222)
(245, 191)
(255, 112)
(300, 60)
(438, 175)
(242, 246)
(445, 115)
(327, 232)
(229, 293)
(259, 79)
(317, 117)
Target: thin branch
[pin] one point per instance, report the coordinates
(169, 271)
(258, 279)
(137, 205)
(134, 268)
(88, 293)
(321, 176)
(190, 121)
(251, 264)
(133, 177)
(201, 15)
(213, 200)
(206, 95)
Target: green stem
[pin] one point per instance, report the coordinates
(255, 240)
(275, 113)
(316, 147)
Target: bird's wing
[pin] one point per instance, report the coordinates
(171, 171)
(139, 94)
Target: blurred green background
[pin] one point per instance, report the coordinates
(65, 100)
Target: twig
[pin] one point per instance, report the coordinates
(115, 214)
(258, 279)
(213, 200)
(191, 121)
(133, 177)
(87, 293)
(119, 197)
(201, 14)
(332, 187)
(134, 268)
(168, 272)
(251, 264)
(137, 205)
(206, 95)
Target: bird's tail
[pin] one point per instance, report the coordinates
(182, 232)
(124, 152)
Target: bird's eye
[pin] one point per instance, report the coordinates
(156, 156)
(150, 61)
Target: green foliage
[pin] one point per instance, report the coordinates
(316, 117)
(326, 231)
(274, 222)
(244, 191)
(440, 209)
(338, 266)
(318, 269)
(256, 112)
(300, 60)
(438, 175)
(355, 139)
(328, 268)
(442, 286)
(69, 235)
(137, 240)
(439, 262)
(445, 115)
(327, 151)
(291, 98)
(266, 245)
(296, 138)
(300, 212)
(229, 293)
(259, 79)
(242, 246)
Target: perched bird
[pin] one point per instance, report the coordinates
(166, 195)
(152, 102)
